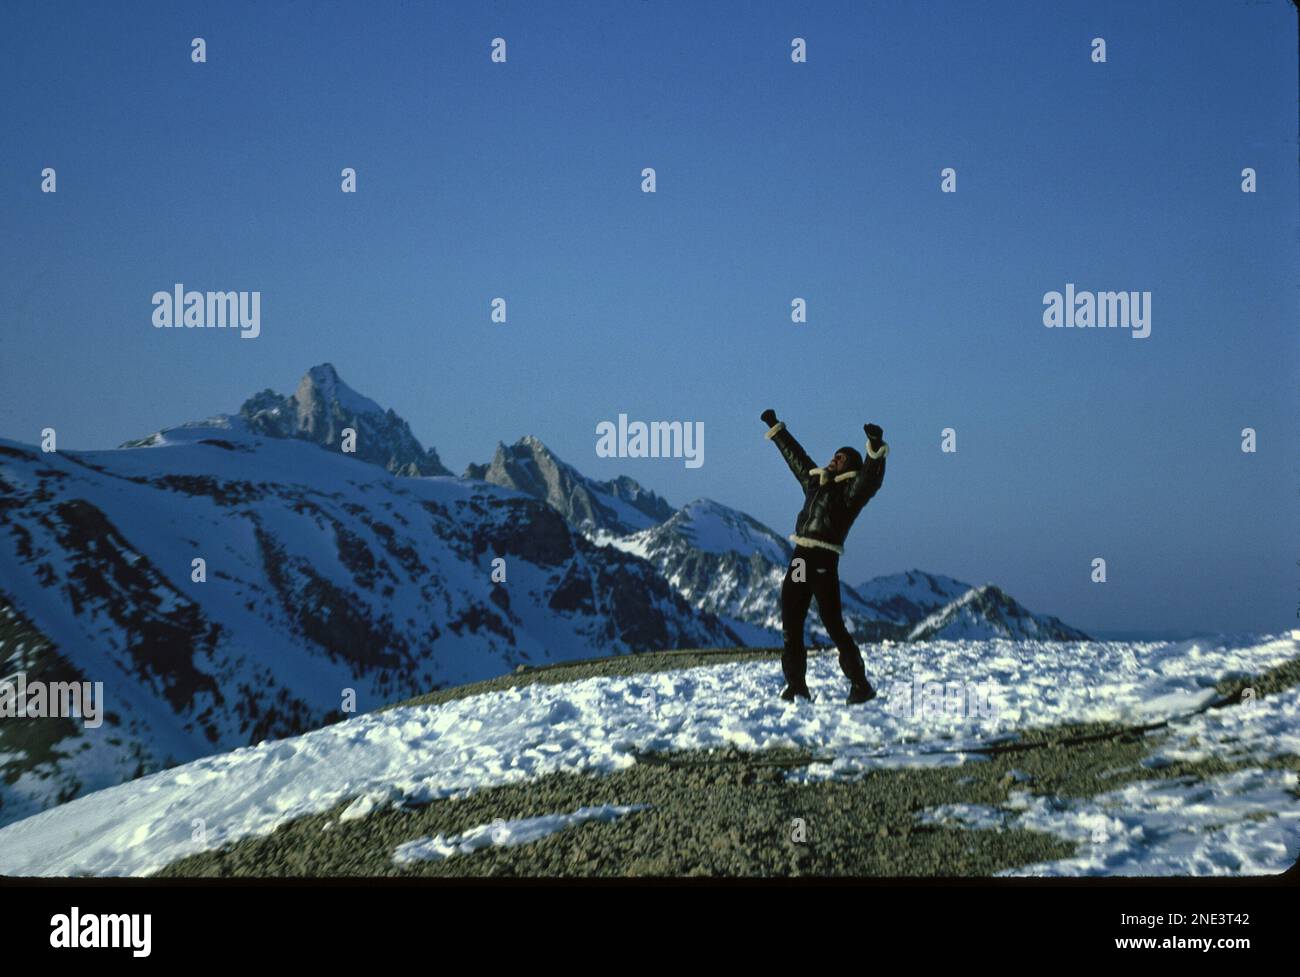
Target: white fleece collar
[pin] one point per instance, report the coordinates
(823, 476)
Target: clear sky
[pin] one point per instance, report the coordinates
(775, 180)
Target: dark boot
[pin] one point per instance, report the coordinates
(791, 691)
(861, 692)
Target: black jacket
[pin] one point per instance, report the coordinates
(830, 504)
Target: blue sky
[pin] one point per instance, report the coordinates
(775, 180)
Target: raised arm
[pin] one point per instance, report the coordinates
(872, 473)
(793, 453)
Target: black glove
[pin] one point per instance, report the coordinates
(874, 434)
(768, 417)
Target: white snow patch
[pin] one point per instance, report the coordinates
(520, 831)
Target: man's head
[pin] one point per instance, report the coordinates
(846, 460)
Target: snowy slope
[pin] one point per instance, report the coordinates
(323, 574)
(597, 725)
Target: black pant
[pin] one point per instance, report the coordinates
(821, 579)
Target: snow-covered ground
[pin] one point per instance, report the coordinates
(1242, 823)
(600, 724)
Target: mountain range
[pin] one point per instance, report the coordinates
(727, 563)
(229, 581)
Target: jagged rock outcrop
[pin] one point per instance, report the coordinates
(320, 409)
(600, 509)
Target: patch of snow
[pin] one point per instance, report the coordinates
(521, 831)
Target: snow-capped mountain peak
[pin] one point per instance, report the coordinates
(321, 387)
(988, 612)
(319, 410)
(716, 528)
(906, 598)
(324, 406)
